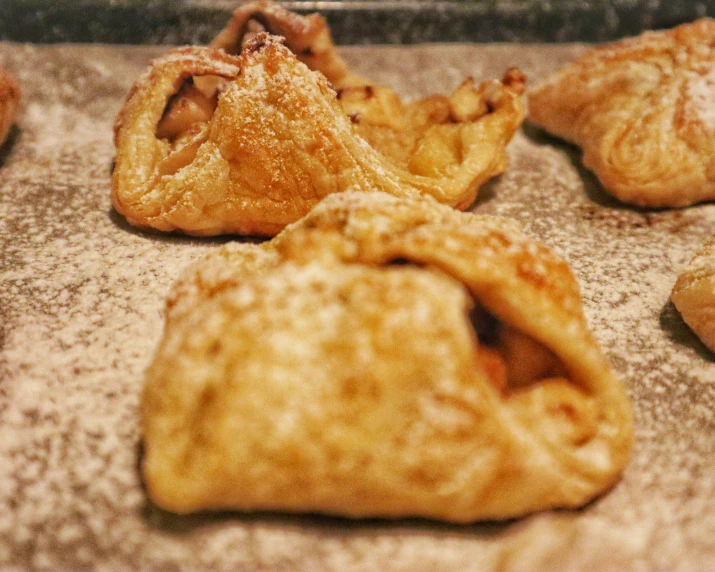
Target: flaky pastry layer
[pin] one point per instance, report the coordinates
(643, 110)
(382, 357)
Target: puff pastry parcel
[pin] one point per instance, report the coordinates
(211, 143)
(9, 103)
(382, 357)
(414, 136)
(694, 293)
(643, 110)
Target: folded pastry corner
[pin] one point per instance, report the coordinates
(213, 143)
(694, 293)
(642, 110)
(9, 103)
(382, 357)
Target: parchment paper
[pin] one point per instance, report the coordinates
(81, 296)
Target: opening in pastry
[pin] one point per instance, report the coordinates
(534, 380)
(513, 360)
(192, 105)
(183, 125)
(399, 261)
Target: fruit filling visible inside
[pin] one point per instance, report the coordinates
(512, 360)
(193, 104)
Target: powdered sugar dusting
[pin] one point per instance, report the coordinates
(80, 309)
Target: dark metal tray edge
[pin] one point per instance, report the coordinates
(352, 22)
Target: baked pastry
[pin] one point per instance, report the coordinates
(381, 357)
(256, 146)
(694, 293)
(9, 103)
(411, 135)
(643, 110)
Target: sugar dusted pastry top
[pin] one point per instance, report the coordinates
(423, 137)
(211, 143)
(643, 110)
(381, 357)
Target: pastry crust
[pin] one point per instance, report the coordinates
(9, 103)
(694, 293)
(382, 357)
(643, 110)
(210, 143)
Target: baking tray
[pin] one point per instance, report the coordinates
(81, 297)
(352, 21)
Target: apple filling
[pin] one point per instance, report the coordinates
(183, 125)
(534, 381)
(512, 360)
(193, 104)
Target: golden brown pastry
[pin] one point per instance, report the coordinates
(382, 357)
(9, 103)
(643, 110)
(694, 293)
(262, 139)
(411, 135)
(439, 136)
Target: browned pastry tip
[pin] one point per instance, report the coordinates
(382, 357)
(211, 143)
(643, 110)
